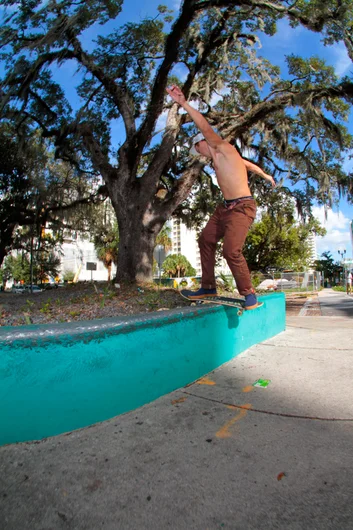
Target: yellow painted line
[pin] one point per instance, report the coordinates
(205, 381)
(224, 431)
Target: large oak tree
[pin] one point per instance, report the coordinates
(209, 48)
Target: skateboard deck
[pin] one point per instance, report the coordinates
(222, 300)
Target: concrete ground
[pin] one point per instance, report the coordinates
(219, 453)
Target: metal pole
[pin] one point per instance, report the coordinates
(31, 262)
(159, 267)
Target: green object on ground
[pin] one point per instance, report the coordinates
(263, 383)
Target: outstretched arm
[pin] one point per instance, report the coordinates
(256, 169)
(212, 138)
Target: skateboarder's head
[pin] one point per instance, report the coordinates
(200, 146)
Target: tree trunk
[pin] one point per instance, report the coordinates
(140, 212)
(6, 240)
(137, 239)
(2, 253)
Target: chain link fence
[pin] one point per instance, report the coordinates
(289, 282)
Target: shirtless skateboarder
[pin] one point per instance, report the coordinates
(232, 219)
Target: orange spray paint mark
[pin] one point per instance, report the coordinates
(248, 388)
(224, 431)
(205, 381)
(180, 400)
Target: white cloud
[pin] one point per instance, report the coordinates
(176, 5)
(347, 165)
(161, 122)
(342, 61)
(338, 232)
(216, 97)
(333, 220)
(180, 71)
(284, 40)
(286, 35)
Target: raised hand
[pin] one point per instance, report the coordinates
(176, 94)
(271, 179)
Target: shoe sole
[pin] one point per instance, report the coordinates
(259, 304)
(201, 297)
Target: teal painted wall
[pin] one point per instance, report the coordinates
(57, 378)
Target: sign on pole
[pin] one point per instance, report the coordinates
(91, 266)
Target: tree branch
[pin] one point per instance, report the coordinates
(155, 106)
(119, 95)
(182, 188)
(99, 159)
(262, 110)
(294, 14)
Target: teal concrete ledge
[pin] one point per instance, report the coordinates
(60, 377)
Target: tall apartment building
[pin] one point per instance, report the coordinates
(184, 241)
(312, 248)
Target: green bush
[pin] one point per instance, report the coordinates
(68, 276)
(226, 282)
(256, 279)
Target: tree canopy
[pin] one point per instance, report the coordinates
(38, 191)
(279, 240)
(294, 126)
(327, 265)
(176, 266)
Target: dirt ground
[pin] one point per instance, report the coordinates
(86, 301)
(295, 302)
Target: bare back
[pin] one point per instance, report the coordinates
(231, 172)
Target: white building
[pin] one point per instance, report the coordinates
(184, 241)
(79, 257)
(312, 248)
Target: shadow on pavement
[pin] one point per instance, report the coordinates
(194, 459)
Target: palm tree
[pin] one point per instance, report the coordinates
(163, 239)
(177, 265)
(106, 245)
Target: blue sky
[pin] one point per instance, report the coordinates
(300, 41)
(287, 40)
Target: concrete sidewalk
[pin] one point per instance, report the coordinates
(336, 303)
(219, 453)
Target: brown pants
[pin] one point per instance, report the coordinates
(233, 225)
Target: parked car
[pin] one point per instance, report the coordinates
(35, 289)
(18, 289)
(50, 286)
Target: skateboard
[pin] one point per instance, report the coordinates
(222, 300)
